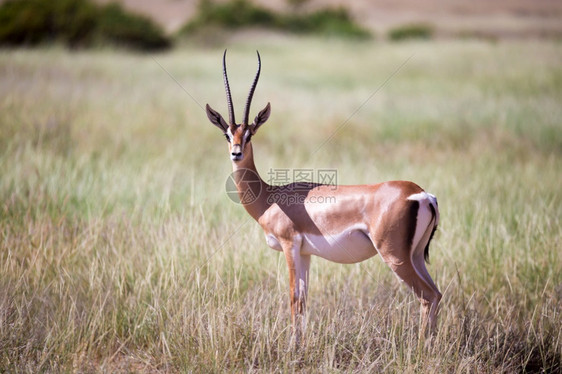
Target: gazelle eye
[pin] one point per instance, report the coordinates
(227, 137)
(248, 136)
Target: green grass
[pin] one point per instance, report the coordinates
(120, 251)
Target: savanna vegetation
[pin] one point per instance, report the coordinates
(86, 24)
(77, 24)
(410, 31)
(236, 14)
(120, 251)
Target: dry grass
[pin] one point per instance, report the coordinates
(119, 250)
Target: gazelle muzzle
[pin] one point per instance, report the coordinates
(236, 152)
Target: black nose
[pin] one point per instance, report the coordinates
(236, 154)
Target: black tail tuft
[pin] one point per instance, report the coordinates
(426, 250)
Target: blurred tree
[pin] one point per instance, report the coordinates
(76, 23)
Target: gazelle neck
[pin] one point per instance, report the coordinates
(247, 179)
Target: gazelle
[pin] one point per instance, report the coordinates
(344, 224)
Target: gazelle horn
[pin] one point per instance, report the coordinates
(252, 89)
(227, 88)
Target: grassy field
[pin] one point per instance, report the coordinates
(120, 251)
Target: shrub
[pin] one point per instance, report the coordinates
(231, 15)
(243, 13)
(116, 26)
(411, 31)
(336, 21)
(76, 23)
(35, 21)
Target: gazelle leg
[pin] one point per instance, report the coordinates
(402, 248)
(402, 266)
(298, 266)
(418, 262)
(430, 305)
(429, 299)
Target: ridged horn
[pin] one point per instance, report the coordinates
(227, 89)
(252, 89)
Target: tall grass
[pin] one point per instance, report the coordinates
(119, 250)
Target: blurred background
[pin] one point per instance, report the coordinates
(121, 252)
(83, 22)
(493, 19)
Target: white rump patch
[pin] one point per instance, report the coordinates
(419, 196)
(425, 215)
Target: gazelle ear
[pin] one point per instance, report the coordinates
(261, 118)
(216, 119)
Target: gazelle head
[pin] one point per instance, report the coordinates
(238, 135)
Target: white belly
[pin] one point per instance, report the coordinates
(348, 247)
